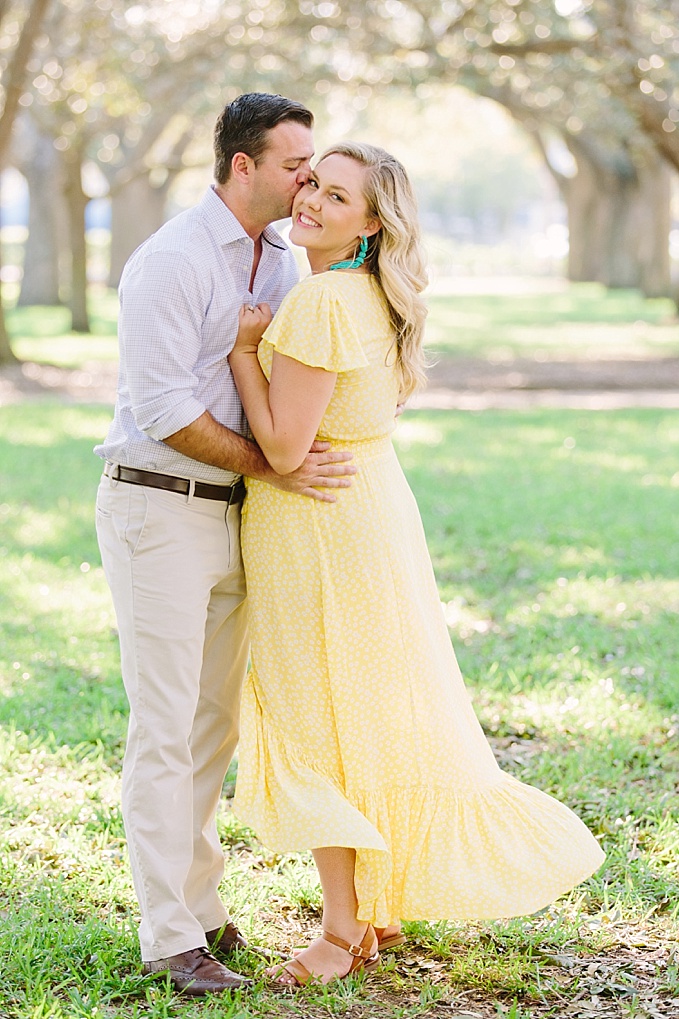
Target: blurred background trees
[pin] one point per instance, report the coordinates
(517, 119)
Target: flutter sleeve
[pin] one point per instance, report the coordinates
(314, 326)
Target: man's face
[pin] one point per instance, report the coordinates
(282, 170)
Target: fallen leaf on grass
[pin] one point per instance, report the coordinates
(409, 965)
(565, 961)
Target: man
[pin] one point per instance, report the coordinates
(168, 518)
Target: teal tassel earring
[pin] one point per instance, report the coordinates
(356, 262)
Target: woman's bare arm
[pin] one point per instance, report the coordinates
(283, 416)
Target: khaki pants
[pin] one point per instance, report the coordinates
(174, 567)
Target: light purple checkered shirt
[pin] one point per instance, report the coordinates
(180, 295)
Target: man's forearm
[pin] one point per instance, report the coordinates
(211, 443)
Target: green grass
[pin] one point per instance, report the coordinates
(553, 535)
(41, 334)
(577, 321)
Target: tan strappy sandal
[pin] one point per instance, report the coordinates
(383, 944)
(365, 957)
(393, 941)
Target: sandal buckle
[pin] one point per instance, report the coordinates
(355, 950)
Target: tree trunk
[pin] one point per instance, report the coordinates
(598, 200)
(582, 197)
(46, 222)
(621, 266)
(654, 227)
(618, 218)
(618, 214)
(15, 73)
(76, 201)
(6, 354)
(137, 211)
(15, 76)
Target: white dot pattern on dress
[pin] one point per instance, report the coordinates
(357, 729)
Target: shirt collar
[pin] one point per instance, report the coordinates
(226, 228)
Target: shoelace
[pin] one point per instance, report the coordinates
(203, 953)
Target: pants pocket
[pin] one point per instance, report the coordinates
(103, 505)
(122, 513)
(137, 520)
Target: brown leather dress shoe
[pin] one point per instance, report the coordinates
(197, 972)
(225, 939)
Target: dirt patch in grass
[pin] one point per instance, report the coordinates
(93, 382)
(464, 383)
(454, 383)
(462, 373)
(623, 981)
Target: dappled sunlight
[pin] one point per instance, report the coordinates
(611, 599)
(59, 664)
(465, 619)
(561, 627)
(38, 428)
(34, 434)
(578, 322)
(594, 341)
(596, 707)
(577, 557)
(44, 532)
(41, 323)
(458, 317)
(33, 529)
(540, 138)
(411, 432)
(66, 823)
(71, 352)
(37, 777)
(466, 334)
(611, 460)
(75, 596)
(553, 641)
(51, 325)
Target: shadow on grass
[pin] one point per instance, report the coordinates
(47, 466)
(554, 529)
(62, 705)
(59, 660)
(553, 540)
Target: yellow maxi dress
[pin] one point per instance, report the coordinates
(357, 729)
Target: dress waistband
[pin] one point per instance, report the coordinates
(362, 449)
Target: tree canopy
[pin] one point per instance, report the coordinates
(134, 87)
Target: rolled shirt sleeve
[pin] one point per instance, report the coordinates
(180, 295)
(161, 317)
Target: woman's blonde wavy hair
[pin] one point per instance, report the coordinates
(395, 255)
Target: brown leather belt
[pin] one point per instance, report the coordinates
(231, 494)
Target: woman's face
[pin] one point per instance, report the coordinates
(330, 213)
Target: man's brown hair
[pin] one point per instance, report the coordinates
(243, 126)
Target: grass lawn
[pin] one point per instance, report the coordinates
(41, 334)
(580, 321)
(554, 539)
(575, 321)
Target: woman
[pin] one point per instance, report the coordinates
(359, 740)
